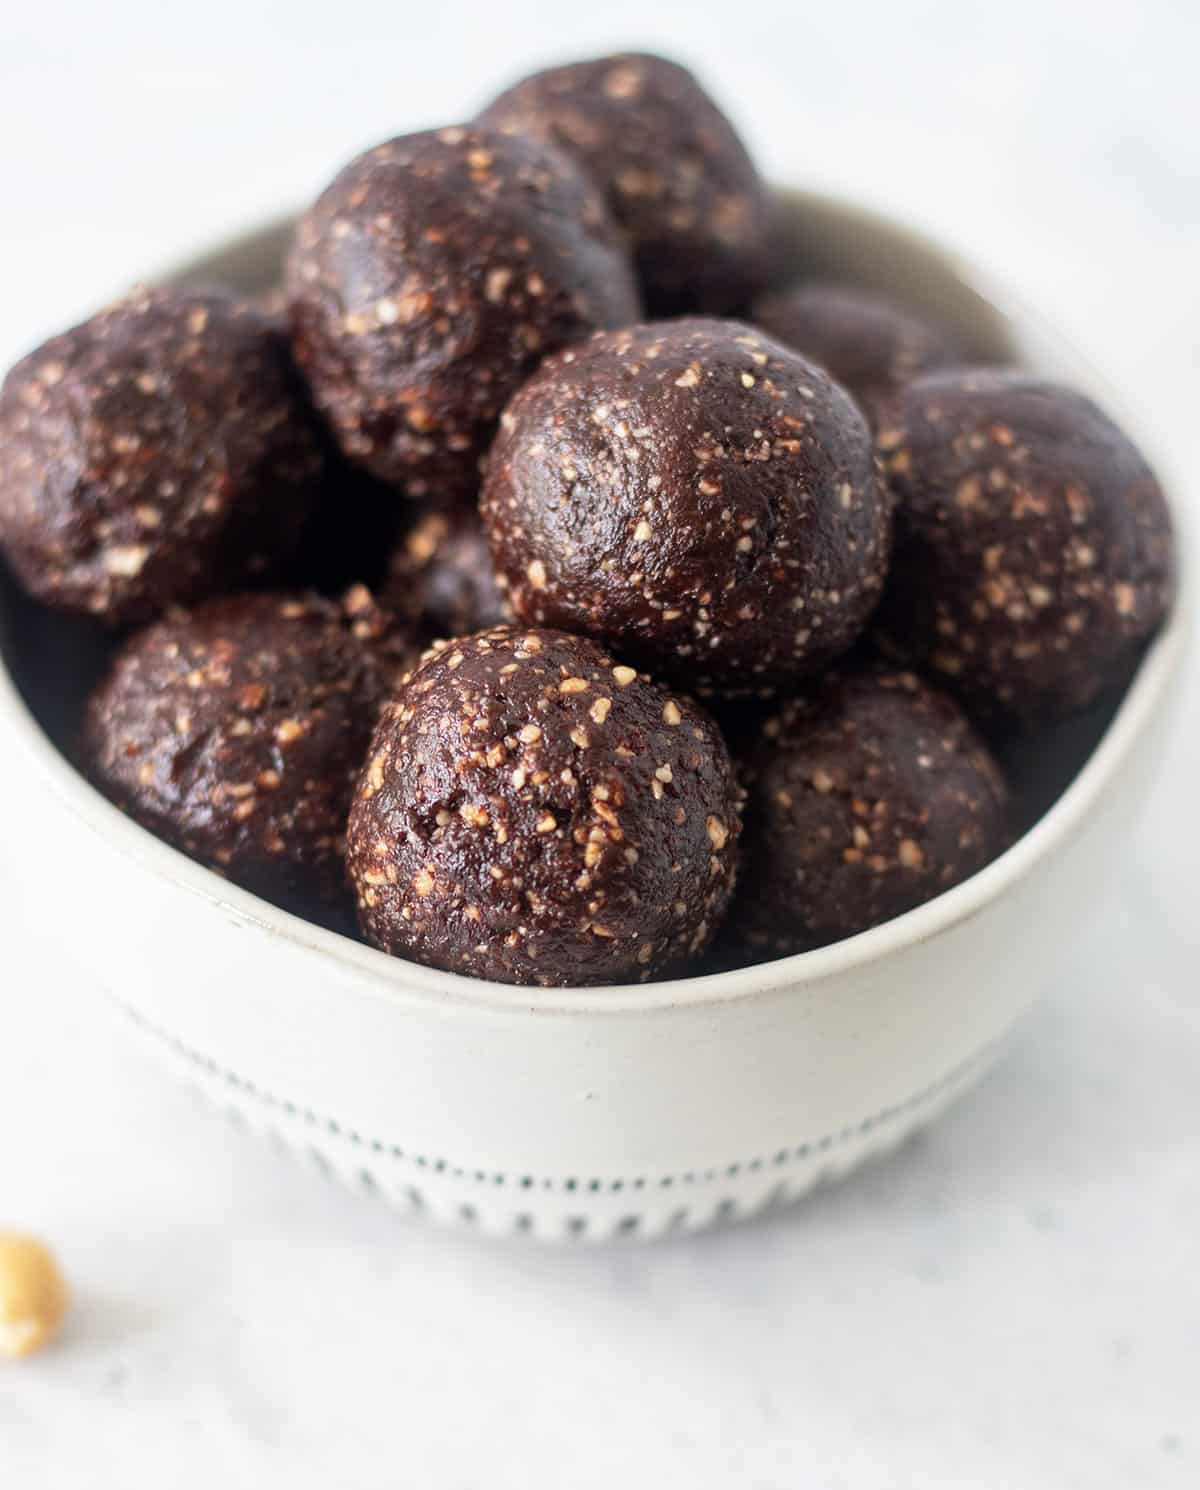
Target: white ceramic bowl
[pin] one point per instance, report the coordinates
(605, 1111)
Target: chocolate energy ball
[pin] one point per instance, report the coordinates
(532, 811)
(871, 345)
(235, 732)
(1034, 549)
(676, 175)
(696, 493)
(158, 453)
(866, 797)
(428, 281)
(441, 576)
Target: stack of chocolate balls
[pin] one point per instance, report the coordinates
(604, 489)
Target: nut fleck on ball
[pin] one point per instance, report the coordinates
(430, 279)
(33, 1295)
(157, 454)
(865, 797)
(677, 177)
(696, 494)
(440, 575)
(533, 811)
(871, 345)
(235, 732)
(1034, 544)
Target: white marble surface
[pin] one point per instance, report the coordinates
(1015, 1300)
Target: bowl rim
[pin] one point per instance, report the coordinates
(398, 980)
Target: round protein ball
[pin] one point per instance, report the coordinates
(160, 452)
(1033, 544)
(696, 493)
(865, 798)
(429, 280)
(235, 732)
(871, 345)
(440, 576)
(676, 175)
(532, 811)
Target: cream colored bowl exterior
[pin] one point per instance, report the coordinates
(602, 1112)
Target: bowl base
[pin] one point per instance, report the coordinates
(549, 1208)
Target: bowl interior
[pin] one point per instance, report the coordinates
(54, 661)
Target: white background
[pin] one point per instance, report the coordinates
(1014, 1302)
